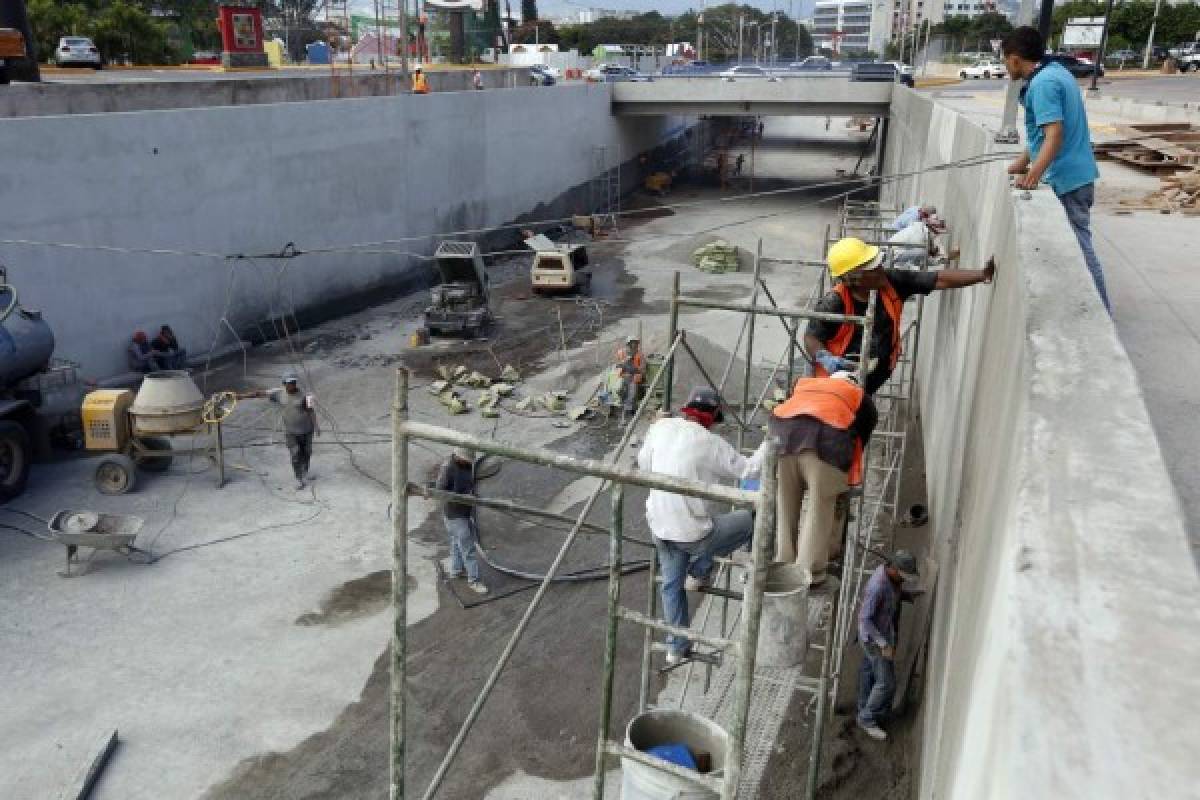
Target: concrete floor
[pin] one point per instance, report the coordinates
(256, 667)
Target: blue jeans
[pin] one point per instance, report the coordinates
(462, 546)
(1078, 205)
(876, 686)
(679, 559)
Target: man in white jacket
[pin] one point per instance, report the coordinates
(687, 534)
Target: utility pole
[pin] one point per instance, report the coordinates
(1150, 38)
(774, 41)
(1008, 122)
(700, 32)
(403, 23)
(741, 30)
(1103, 47)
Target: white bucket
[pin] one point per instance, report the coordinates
(783, 632)
(664, 726)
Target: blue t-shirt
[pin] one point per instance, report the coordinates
(1054, 96)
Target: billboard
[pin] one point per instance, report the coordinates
(1083, 32)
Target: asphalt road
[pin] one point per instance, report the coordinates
(1165, 88)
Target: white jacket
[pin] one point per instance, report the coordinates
(684, 449)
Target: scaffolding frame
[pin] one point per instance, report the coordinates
(605, 188)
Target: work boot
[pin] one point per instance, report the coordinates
(873, 730)
(694, 584)
(477, 587)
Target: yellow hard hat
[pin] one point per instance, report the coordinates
(849, 254)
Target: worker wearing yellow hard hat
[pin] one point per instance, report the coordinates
(857, 268)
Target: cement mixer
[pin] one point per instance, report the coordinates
(31, 393)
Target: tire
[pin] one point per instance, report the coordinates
(15, 457)
(115, 474)
(156, 443)
(3, 75)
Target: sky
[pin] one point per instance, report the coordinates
(571, 8)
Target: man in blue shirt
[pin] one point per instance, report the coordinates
(877, 635)
(1058, 148)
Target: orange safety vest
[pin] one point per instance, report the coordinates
(833, 402)
(639, 364)
(420, 85)
(893, 306)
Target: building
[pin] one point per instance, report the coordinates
(843, 26)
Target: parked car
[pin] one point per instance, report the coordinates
(553, 72)
(601, 72)
(983, 69)
(1123, 55)
(813, 64)
(1079, 67)
(538, 77)
(745, 72)
(77, 51)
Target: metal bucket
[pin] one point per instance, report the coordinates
(783, 633)
(663, 726)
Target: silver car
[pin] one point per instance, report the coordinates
(73, 51)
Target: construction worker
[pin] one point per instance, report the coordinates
(822, 430)
(856, 267)
(1058, 144)
(877, 634)
(912, 214)
(167, 349)
(141, 356)
(914, 242)
(420, 85)
(299, 416)
(631, 369)
(686, 534)
(458, 476)
(477, 79)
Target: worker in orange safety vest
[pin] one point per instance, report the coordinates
(820, 431)
(631, 369)
(857, 268)
(419, 83)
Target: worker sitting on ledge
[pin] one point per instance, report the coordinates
(912, 214)
(686, 534)
(141, 356)
(914, 242)
(857, 269)
(166, 348)
(822, 430)
(631, 369)
(420, 85)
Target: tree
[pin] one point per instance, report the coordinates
(541, 31)
(529, 11)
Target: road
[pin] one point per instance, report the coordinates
(1164, 88)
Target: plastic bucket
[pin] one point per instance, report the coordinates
(665, 726)
(783, 633)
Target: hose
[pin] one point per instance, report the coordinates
(12, 304)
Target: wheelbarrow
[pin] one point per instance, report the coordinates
(76, 529)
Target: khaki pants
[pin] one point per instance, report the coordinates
(819, 538)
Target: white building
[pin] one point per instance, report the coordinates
(844, 26)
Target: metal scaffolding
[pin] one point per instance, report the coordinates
(742, 646)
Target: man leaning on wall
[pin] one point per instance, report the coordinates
(1058, 147)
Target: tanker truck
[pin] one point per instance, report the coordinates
(37, 399)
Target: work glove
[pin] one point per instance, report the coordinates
(830, 362)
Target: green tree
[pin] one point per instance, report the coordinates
(123, 30)
(529, 11)
(541, 31)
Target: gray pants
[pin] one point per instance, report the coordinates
(299, 447)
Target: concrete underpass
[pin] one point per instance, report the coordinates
(258, 667)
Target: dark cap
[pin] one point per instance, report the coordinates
(706, 399)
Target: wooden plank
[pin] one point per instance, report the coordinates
(1171, 150)
(81, 785)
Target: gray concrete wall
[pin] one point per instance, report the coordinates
(1067, 603)
(250, 179)
(191, 91)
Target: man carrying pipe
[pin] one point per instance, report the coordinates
(877, 634)
(857, 268)
(822, 430)
(687, 535)
(1058, 144)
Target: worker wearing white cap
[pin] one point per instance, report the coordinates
(299, 417)
(458, 476)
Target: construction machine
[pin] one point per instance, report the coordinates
(459, 303)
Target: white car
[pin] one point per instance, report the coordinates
(553, 72)
(601, 72)
(903, 69)
(983, 69)
(745, 72)
(77, 51)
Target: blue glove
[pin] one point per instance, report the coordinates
(829, 361)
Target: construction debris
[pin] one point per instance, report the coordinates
(555, 402)
(1178, 192)
(509, 374)
(579, 412)
(502, 389)
(719, 256)
(476, 380)
(453, 401)
(1159, 148)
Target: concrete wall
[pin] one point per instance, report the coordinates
(1067, 603)
(44, 99)
(251, 179)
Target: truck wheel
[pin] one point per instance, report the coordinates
(15, 458)
(116, 474)
(154, 463)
